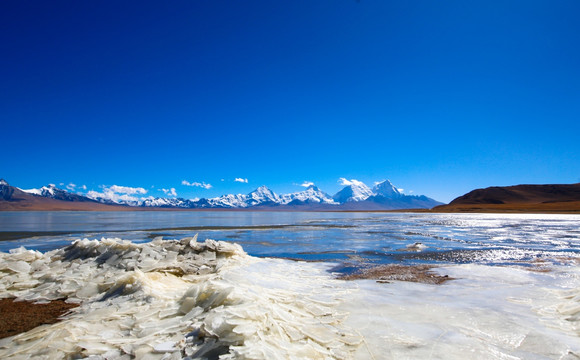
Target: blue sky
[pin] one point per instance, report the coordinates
(440, 97)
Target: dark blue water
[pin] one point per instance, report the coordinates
(353, 239)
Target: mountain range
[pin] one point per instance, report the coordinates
(354, 196)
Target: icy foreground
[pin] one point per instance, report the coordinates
(173, 299)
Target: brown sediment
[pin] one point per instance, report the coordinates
(20, 316)
(387, 273)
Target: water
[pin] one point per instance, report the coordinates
(515, 292)
(355, 239)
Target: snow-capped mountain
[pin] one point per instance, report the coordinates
(6, 190)
(225, 201)
(358, 196)
(353, 191)
(51, 191)
(312, 195)
(167, 202)
(262, 196)
(355, 195)
(387, 190)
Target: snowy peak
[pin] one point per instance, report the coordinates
(312, 195)
(227, 201)
(354, 195)
(51, 191)
(45, 191)
(353, 191)
(6, 190)
(262, 195)
(386, 189)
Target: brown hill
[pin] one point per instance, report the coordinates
(518, 198)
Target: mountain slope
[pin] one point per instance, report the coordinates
(353, 191)
(355, 196)
(387, 190)
(549, 198)
(14, 199)
(312, 195)
(53, 192)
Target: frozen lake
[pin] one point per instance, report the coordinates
(515, 292)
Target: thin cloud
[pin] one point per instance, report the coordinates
(71, 187)
(127, 190)
(241, 180)
(345, 182)
(197, 184)
(169, 192)
(307, 184)
(117, 194)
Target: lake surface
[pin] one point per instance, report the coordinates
(514, 291)
(349, 238)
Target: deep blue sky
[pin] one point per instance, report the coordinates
(440, 97)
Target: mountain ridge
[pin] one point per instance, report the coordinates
(355, 195)
(518, 198)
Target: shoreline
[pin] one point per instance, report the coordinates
(549, 208)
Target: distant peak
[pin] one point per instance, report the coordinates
(387, 189)
(384, 183)
(3, 182)
(262, 189)
(351, 182)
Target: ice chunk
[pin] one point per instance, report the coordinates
(18, 266)
(168, 346)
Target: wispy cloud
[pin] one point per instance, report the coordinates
(74, 187)
(241, 180)
(169, 192)
(198, 184)
(345, 182)
(116, 193)
(307, 183)
(127, 190)
(401, 190)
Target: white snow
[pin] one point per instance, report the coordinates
(46, 191)
(386, 189)
(353, 191)
(312, 194)
(229, 200)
